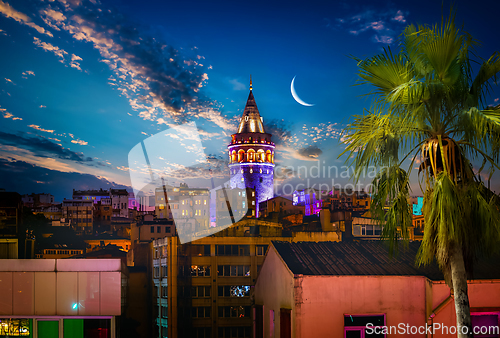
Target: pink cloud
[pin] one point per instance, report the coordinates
(9, 12)
(34, 126)
(377, 25)
(384, 39)
(399, 17)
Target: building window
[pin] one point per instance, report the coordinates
(164, 291)
(15, 327)
(167, 229)
(271, 323)
(233, 250)
(156, 272)
(200, 271)
(234, 311)
(355, 325)
(200, 291)
(233, 270)
(158, 229)
(152, 229)
(201, 312)
(370, 230)
(231, 332)
(485, 325)
(234, 291)
(194, 250)
(260, 250)
(202, 332)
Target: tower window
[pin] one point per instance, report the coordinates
(260, 180)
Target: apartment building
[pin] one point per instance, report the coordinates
(202, 288)
(11, 208)
(280, 205)
(78, 214)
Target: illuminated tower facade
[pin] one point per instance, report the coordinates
(251, 154)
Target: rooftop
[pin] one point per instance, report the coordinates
(92, 192)
(251, 122)
(367, 258)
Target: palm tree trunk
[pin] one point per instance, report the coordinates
(459, 282)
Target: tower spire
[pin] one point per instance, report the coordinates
(251, 87)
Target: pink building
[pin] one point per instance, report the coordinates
(336, 289)
(60, 297)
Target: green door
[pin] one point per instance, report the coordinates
(48, 329)
(73, 328)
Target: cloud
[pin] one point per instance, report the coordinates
(159, 81)
(42, 106)
(25, 178)
(237, 85)
(34, 126)
(385, 23)
(311, 152)
(399, 17)
(288, 152)
(7, 115)
(52, 18)
(10, 12)
(42, 147)
(50, 48)
(282, 174)
(27, 73)
(80, 142)
(10, 81)
(280, 129)
(384, 39)
(74, 61)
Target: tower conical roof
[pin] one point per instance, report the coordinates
(251, 122)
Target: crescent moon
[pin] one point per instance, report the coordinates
(296, 97)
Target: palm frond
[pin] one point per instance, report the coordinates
(390, 194)
(482, 82)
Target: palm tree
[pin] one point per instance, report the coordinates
(429, 110)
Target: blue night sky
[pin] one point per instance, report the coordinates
(83, 82)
